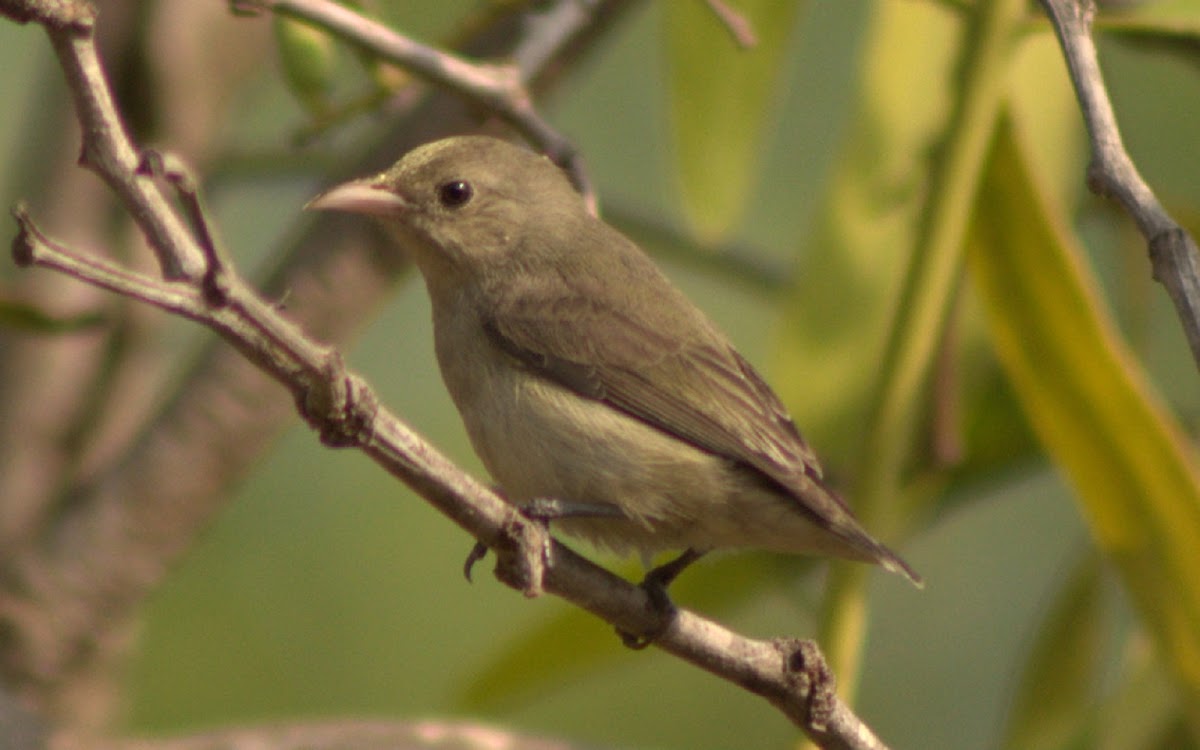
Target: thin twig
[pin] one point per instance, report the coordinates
(501, 89)
(107, 149)
(738, 25)
(1173, 253)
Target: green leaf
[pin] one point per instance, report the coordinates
(721, 97)
(1132, 468)
(1164, 19)
(1144, 710)
(308, 56)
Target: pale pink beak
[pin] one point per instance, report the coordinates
(360, 197)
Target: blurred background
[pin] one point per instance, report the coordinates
(787, 195)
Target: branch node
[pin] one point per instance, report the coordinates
(1099, 179)
(72, 16)
(175, 172)
(524, 553)
(339, 406)
(813, 680)
(24, 248)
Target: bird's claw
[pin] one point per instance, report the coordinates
(655, 585)
(477, 553)
(522, 561)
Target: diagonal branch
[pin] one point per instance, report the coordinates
(110, 542)
(791, 674)
(1174, 256)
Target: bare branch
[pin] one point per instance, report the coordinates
(790, 674)
(1174, 256)
(107, 149)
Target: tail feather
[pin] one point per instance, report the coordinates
(893, 563)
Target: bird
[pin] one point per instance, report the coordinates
(593, 390)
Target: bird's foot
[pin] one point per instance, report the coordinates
(477, 553)
(525, 552)
(655, 585)
(547, 509)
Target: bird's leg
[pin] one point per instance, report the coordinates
(655, 585)
(547, 509)
(543, 510)
(658, 579)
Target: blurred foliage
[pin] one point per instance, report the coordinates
(864, 148)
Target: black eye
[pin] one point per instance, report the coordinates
(455, 193)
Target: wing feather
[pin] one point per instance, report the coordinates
(674, 371)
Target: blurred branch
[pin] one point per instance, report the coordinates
(791, 674)
(1174, 256)
(346, 735)
(747, 265)
(738, 25)
(500, 89)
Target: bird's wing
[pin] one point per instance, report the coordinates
(673, 371)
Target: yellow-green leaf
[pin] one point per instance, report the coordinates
(837, 314)
(308, 57)
(1163, 19)
(1133, 471)
(721, 96)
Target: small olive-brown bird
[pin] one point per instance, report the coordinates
(589, 383)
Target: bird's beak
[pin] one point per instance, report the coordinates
(361, 197)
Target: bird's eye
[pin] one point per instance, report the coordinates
(455, 193)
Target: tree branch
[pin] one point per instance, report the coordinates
(103, 546)
(791, 674)
(107, 149)
(1174, 256)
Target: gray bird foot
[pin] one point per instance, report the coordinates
(477, 553)
(524, 554)
(534, 545)
(547, 509)
(655, 585)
